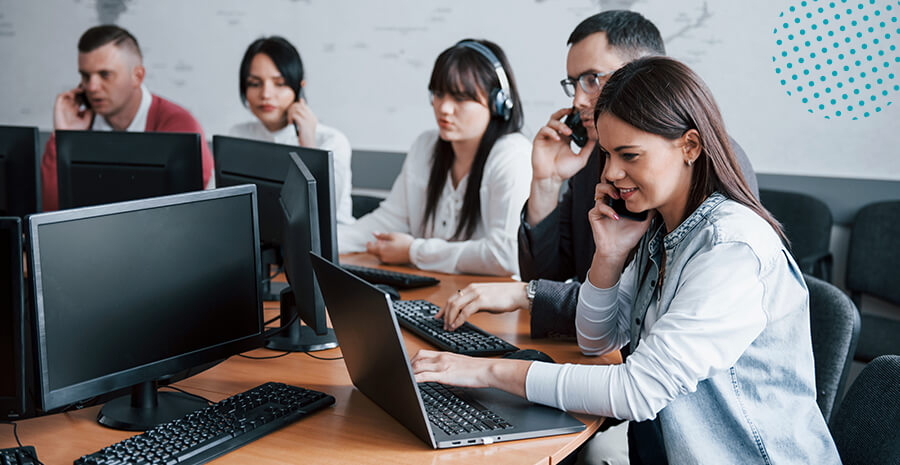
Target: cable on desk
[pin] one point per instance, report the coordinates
(188, 393)
(272, 320)
(264, 358)
(275, 331)
(273, 275)
(16, 434)
(323, 358)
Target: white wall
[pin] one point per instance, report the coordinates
(368, 64)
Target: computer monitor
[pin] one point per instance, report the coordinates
(20, 185)
(12, 320)
(98, 167)
(186, 270)
(303, 299)
(242, 161)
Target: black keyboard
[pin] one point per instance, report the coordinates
(454, 412)
(391, 278)
(18, 456)
(215, 430)
(418, 317)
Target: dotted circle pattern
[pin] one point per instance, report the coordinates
(840, 58)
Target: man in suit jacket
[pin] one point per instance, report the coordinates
(112, 87)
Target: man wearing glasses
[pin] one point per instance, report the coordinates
(555, 240)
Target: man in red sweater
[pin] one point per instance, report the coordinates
(112, 97)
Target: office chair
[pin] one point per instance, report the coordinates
(807, 223)
(865, 426)
(872, 260)
(834, 326)
(363, 204)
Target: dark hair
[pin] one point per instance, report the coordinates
(662, 96)
(626, 31)
(282, 53)
(98, 36)
(466, 74)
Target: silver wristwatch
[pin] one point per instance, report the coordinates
(530, 290)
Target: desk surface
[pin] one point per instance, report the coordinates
(354, 430)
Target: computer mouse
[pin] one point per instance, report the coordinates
(529, 354)
(389, 290)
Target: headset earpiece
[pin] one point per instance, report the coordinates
(500, 101)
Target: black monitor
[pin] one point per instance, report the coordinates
(20, 185)
(98, 167)
(242, 161)
(186, 270)
(12, 320)
(303, 299)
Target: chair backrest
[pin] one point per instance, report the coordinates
(834, 325)
(806, 221)
(866, 426)
(874, 251)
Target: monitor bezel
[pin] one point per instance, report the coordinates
(54, 398)
(10, 406)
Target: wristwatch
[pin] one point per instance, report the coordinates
(530, 290)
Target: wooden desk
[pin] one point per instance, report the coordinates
(353, 431)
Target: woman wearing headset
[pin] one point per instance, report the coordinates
(454, 207)
(271, 84)
(704, 293)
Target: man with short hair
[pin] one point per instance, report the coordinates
(112, 87)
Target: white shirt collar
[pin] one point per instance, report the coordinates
(138, 123)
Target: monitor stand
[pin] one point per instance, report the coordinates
(146, 408)
(297, 337)
(271, 256)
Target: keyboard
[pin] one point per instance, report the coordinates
(418, 317)
(18, 456)
(391, 278)
(454, 412)
(215, 430)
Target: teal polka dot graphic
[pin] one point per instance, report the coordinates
(848, 45)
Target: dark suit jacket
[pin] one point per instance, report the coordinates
(558, 250)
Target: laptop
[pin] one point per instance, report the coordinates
(375, 355)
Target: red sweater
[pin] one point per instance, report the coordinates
(163, 116)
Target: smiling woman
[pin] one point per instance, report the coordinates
(454, 207)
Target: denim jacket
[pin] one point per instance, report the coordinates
(763, 408)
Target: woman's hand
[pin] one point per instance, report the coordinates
(305, 121)
(482, 297)
(391, 248)
(460, 370)
(614, 237)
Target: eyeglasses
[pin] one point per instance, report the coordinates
(590, 83)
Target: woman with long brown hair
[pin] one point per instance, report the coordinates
(703, 294)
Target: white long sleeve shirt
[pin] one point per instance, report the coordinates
(716, 315)
(327, 138)
(492, 247)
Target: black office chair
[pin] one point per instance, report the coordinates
(363, 204)
(866, 426)
(872, 261)
(807, 223)
(834, 325)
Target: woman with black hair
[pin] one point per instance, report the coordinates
(703, 293)
(271, 85)
(455, 206)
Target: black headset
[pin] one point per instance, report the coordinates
(500, 101)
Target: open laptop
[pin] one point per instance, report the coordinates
(376, 358)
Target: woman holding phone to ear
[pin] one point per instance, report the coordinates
(703, 293)
(454, 208)
(271, 86)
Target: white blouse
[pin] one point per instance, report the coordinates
(327, 138)
(492, 248)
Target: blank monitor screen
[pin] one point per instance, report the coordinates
(126, 293)
(12, 351)
(241, 161)
(19, 171)
(98, 167)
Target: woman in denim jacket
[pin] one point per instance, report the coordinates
(703, 294)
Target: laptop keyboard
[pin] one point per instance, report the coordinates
(454, 412)
(418, 317)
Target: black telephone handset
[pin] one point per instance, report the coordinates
(579, 133)
(82, 101)
(619, 205)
